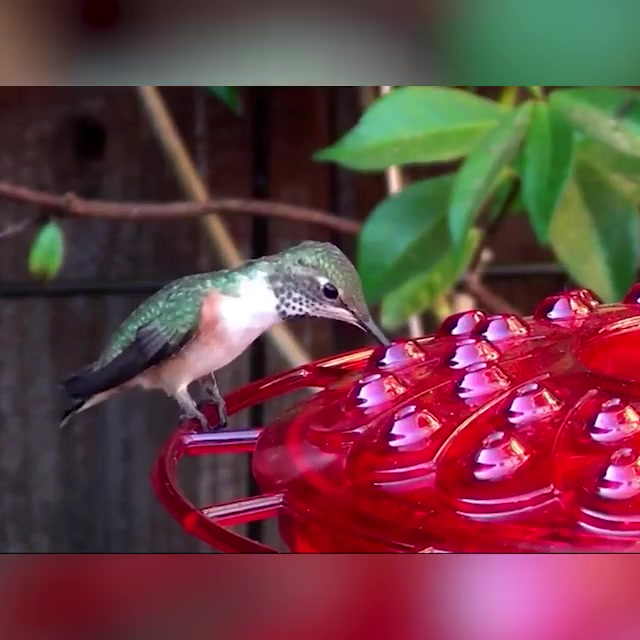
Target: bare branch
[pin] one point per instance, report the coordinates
(489, 299)
(71, 205)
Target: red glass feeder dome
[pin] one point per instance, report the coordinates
(496, 434)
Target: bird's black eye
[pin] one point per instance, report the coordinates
(329, 291)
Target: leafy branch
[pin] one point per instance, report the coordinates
(48, 247)
(569, 159)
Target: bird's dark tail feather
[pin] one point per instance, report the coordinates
(74, 387)
(73, 408)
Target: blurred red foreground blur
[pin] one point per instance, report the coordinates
(444, 597)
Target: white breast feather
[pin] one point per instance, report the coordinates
(252, 309)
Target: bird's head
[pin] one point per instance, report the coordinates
(315, 279)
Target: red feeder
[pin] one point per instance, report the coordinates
(497, 434)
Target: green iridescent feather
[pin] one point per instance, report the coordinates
(174, 309)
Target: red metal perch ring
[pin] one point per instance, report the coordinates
(209, 524)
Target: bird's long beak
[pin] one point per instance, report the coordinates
(371, 327)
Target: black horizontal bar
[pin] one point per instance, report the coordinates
(71, 288)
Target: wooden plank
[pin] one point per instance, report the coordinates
(87, 488)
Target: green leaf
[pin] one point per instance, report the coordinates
(594, 232)
(403, 236)
(622, 169)
(47, 252)
(548, 157)
(422, 291)
(415, 125)
(476, 179)
(228, 96)
(501, 194)
(609, 115)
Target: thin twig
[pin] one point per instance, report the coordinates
(71, 205)
(178, 155)
(489, 299)
(472, 281)
(18, 227)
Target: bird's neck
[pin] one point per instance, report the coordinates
(250, 306)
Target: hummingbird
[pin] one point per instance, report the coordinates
(194, 326)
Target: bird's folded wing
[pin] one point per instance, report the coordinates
(151, 345)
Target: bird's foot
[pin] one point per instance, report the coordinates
(195, 414)
(210, 388)
(223, 420)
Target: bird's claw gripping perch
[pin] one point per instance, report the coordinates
(205, 424)
(210, 387)
(196, 415)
